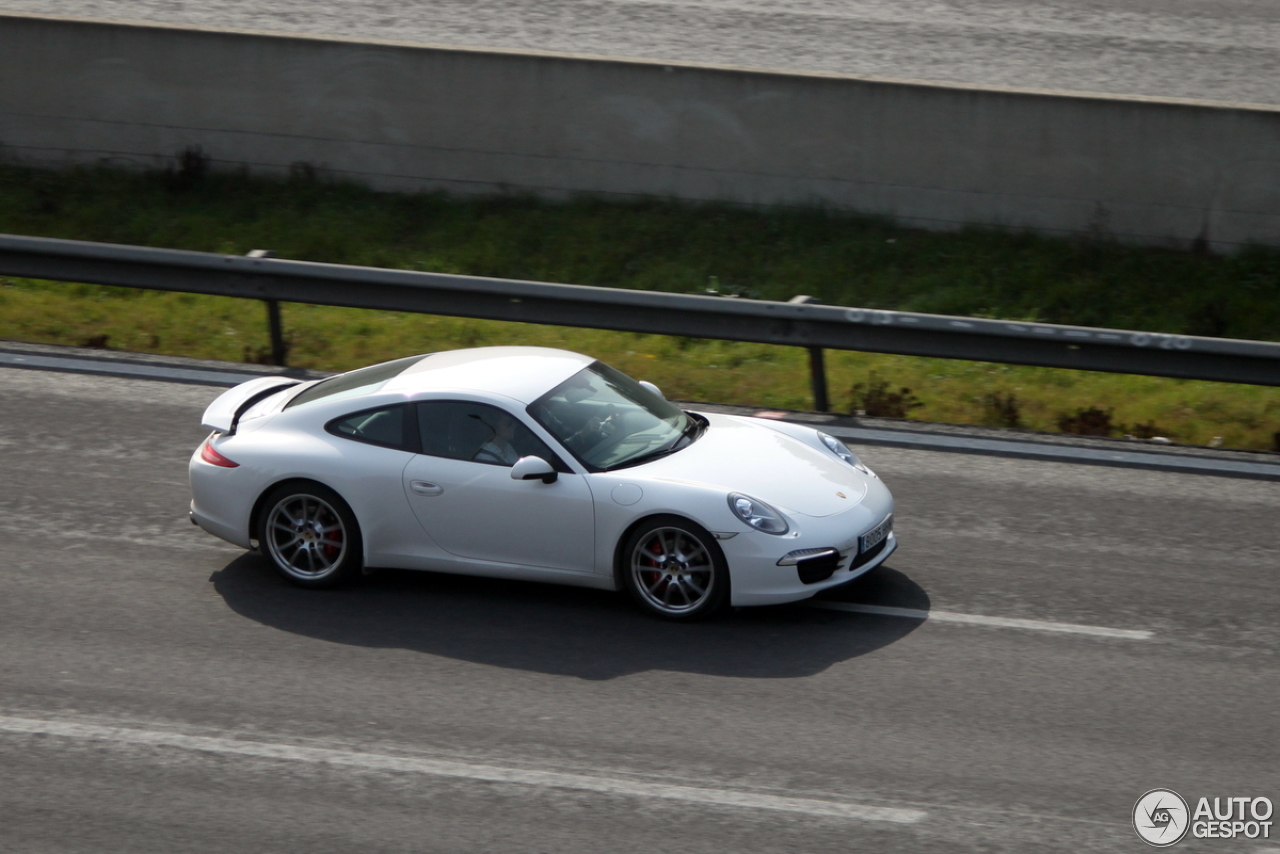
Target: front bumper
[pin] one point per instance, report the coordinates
(753, 556)
(777, 585)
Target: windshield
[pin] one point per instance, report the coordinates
(608, 420)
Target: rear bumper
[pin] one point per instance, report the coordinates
(232, 534)
(220, 500)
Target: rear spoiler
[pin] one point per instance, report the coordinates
(224, 413)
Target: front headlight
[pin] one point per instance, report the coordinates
(842, 451)
(757, 514)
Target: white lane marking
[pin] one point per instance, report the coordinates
(979, 620)
(456, 769)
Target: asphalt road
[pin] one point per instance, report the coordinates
(160, 691)
(1216, 49)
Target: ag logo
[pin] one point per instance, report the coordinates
(1161, 817)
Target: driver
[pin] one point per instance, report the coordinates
(498, 449)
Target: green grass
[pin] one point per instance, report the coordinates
(652, 245)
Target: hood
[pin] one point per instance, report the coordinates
(747, 456)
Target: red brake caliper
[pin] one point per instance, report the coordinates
(656, 550)
(331, 551)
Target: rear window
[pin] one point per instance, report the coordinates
(353, 383)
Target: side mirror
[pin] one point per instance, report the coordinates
(533, 468)
(652, 389)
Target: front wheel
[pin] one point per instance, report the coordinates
(675, 569)
(310, 534)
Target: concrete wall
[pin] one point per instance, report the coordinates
(411, 117)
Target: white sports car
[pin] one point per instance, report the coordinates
(538, 464)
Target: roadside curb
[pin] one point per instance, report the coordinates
(1053, 452)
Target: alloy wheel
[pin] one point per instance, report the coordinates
(672, 571)
(305, 536)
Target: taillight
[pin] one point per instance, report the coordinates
(210, 455)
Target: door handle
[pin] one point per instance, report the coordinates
(424, 487)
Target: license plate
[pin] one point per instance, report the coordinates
(876, 535)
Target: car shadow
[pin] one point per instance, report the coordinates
(589, 634)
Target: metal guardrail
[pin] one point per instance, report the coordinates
(797, 323)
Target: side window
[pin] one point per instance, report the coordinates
(387, 426)
(459, 430)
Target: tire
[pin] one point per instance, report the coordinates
(675, 569)
(310, 535)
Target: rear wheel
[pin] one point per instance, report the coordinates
(310, 535)
(675, 569)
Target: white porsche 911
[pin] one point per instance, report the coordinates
(537, 464)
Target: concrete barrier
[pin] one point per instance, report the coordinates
(405, 117)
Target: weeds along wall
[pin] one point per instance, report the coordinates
(409, 117)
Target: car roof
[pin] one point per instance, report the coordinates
(520, 373)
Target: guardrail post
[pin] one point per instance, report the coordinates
(817, 364)
(279, 350)
(818, 379)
